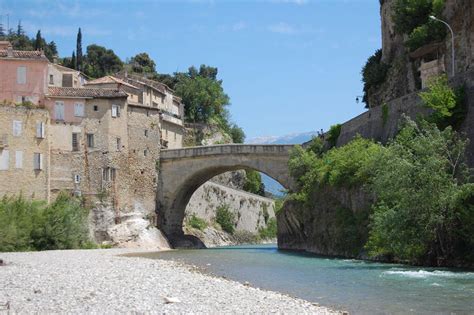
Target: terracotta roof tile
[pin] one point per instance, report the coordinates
(24, 54)
(85, 92)
(111, 79)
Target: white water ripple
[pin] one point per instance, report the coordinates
(422, 274)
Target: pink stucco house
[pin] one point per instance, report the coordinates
(22, 75)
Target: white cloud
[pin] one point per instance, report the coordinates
(282, 28)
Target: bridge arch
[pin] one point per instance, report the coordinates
(183, 171)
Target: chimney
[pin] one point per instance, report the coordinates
(55, 59)
(10, 51)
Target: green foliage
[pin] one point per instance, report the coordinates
(412, 17)
(424, 202)
(447, 103)
(246, 237)
(142, 64)
(278, 205)
(20, 41)
(384, 113)
(317, 145)
(197, 223)
(101, 61)
(32, 225)
(225, 218)
(344, 166)
(253, 183)
(374, 73)
(270, 231)
(237, 134)
(333, 134)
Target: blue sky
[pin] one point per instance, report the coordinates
(288, 66)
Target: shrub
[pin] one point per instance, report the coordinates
(197, 223)
(270, 231)
(225, 218)
(333, 134)
(33, 225)
(253, 183)
(447, 103)
(246, 237)
(374, 73)
(430, 32)
(424, 204)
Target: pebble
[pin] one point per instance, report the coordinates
(101, 281)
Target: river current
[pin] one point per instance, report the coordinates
(360, 287)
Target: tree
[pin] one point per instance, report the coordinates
(2, 31)
(253, 183)
(38, 41)
(79, 51)
(237, 134)
(101, 61)
(143, 64)
(425, 210)
(73, 60)
(19, 30)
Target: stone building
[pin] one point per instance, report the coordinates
(61, 76)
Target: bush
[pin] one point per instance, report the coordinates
(225, 218)
(246, 237)
(253, 183)
(447, 103)
(425, 205)
(333, 134)
(197, 223)
(374, 73)
(32, 225)
(430, 32)
(270, 231)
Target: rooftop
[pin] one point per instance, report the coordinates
(22, 54)
(84, 92)
(110, 79)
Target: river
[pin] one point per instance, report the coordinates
(360, 287)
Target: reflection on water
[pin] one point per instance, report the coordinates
(361, 287)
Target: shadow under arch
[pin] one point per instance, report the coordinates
(182, 174)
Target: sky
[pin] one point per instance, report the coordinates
(288, 66)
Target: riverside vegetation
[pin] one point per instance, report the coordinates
(423, 209)
(34, 225)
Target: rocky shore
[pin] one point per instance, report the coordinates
(100, 281)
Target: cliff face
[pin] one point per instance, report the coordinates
(334, 224)
(404, 75)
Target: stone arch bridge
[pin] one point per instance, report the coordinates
(183, 171)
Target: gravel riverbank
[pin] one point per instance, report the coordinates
(99, 281)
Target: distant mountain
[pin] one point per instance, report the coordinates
(271, 185)
(294, 138)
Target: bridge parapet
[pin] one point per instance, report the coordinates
(226, 149)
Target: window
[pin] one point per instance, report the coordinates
(108, 174)
(147, 113)
(21, 75)
(145, 152)
(90, 140)
(77, 179)
(146, 133)
(18, 159)
(40, 130)
(119, 144)
(4, 159)
(79, 110)
(59, 110)
(17, 124)
(38, 161)
(96, 108)
(51, 79)
(175, 136)
(75, 141)
(115, 111)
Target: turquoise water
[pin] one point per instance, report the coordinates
(359, 287)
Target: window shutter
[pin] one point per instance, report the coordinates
(40, 132)
(18, 159)
(59, 111)
(21, 75)
(38, 161)
(4, 159)
(78, 109)
(17, 128)
(114, 111)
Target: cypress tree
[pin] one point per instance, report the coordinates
(19, 30)
(73, 60)
(79, 51)
(38, 41)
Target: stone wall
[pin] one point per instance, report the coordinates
(249, 209)
(22, 178)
